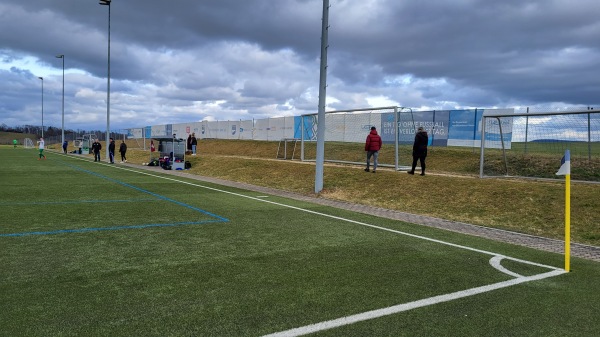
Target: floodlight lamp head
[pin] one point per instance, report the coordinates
(41, 78)
(105, 2)
(60, 56)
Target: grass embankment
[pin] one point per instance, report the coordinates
(451, 190)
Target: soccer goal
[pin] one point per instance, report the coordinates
(28, 143)
(347, 130)
(532, 144)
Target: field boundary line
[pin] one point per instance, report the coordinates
(377, 313)
(262, 199)
(216, 218)
(494, 262)
(74, 202)
(139, 189)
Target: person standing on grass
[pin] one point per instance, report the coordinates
(189, 143)
(419, 150)
(111, 151)
(41, 148)
(194, 143)
(123, 150)
(65, 144)
(96, 147)
(372, 146)
(14, 143)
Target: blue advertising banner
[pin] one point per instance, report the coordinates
(310, 127)
(436, 125)
(386, 130)
(463, 127)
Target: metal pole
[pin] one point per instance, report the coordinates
(62, 56)
(107, 3)
(589, 138)
(396, 136)
(526, 129)
(481, 145)
(41, 78)
(503, 148)
(63, 104)
(322, 94)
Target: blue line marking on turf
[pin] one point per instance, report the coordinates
(71, 202)
(147, 192)
(81, 230)
(161, 197)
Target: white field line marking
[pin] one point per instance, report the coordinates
(409, 306)
(332, 217)
(495, 262)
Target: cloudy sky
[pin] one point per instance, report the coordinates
(192, 60)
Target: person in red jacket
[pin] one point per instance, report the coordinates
(372, 146)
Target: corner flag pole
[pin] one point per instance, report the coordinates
(565, 169)
(568, 222)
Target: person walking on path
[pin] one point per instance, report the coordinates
(419, 150)
(96, 147)
(372, 146)
(194, 143)
(123, 150)
(41, 148)
(111, 151)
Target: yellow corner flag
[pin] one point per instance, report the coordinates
(565, 170)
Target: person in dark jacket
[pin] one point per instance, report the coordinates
(419, 150)
(189, 143)
(123, 150)
(372, 146)
(65, 144)
(96, 147)
(111, 151)
(194, 143)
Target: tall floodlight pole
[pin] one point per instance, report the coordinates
(107, 3)
(322, 94)
(63, 98)
(41, 78)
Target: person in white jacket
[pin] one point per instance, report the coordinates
(41, 148)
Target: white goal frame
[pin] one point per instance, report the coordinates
(592, 133)
(395, 109)
(28, 143)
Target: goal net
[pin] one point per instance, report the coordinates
(347, 130)
(532, 144)
(28, 143)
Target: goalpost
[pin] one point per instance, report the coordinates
(346, 131)
(28, 143)
(532, 144)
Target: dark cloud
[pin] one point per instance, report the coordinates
(176, 61)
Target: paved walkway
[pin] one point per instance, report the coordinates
(545, 244)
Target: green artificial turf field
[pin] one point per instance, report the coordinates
(92, 249)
